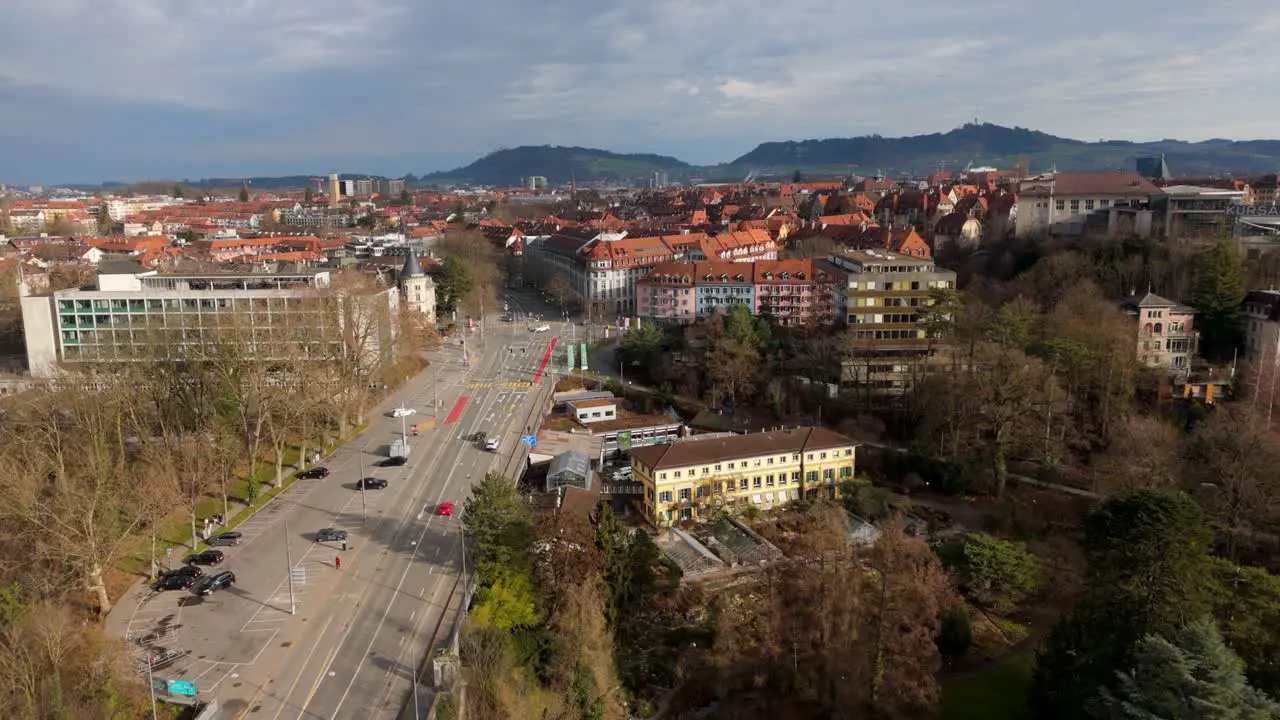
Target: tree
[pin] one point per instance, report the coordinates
(177, 191)
(1143, 454)
(732, 366)
(244, 193)
(1149, 573)
(997, 574)
(1232, 459)
(453, 282)
(559, 291)
(1194, 675)
(1246, 606)
(498, 524)
(1218, 291)
(641, 346)
(406, 198)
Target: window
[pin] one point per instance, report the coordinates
(829, 474)
(1060, 205)
(730, 466)
(717, 468)
(706, 471)
(742, 484)
(664, 496)
(755, 482)
(676, 474)
(811, 476)
(848, 452)
(1088, 204)
(770, 461)
(757, 462)
(1075, 206)
(684, 493)
(662, 476)
(795, 476)
(846, 471)
(1104, 203)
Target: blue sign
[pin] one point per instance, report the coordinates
(182, 687)
(529, 440)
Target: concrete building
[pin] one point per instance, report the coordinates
(135, 314)
(395, 187)
(1189, 212)
(365, 186)
(335, 190)
(418, 288)
(1261, 309)
(882, 298)
(1073, 203)
(1166, 336)
(691, 480)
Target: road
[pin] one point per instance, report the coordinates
(356, 633)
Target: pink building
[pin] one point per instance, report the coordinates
(791, 292)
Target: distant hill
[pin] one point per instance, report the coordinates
(987, 144)
(560, 165)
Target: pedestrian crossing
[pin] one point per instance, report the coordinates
(513, 385)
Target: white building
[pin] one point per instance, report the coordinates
(134, 313)
(1071, 203)
(418, 288)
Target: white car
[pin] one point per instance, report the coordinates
(402, 412)
(541, 328)
(491, 444)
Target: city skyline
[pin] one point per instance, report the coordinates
(103, 91)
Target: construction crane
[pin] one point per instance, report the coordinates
(319, 181)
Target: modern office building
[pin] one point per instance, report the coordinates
(134, 314)
(692, 479)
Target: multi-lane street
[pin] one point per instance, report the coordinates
(310, 630)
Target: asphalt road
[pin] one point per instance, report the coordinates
(299, 637)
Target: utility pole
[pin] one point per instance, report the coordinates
(288, 561)
(364, 509)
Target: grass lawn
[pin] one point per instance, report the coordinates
(995, 693)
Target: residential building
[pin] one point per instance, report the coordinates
(418, 288)
(395, 187)
(133, 314)
(315, 217)
(366, 186)
(1071, 203)
(691, 480)
(1261, 309)
(1166, 336)
(789, 292)
(882, 298)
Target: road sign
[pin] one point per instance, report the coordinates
(182, 687)
(584, 356)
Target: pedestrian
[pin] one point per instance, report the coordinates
(337, 562)
(344, 545)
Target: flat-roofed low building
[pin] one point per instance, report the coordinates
(691, 480)
(594, 411)
(133, 314)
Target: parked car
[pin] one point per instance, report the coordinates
(193, 571)
(175, 582)
(445, 508)
(372, 483)
(491, 444)
(205, 557)
(315, 473)
(540, 328)
(395, 461)
(402, 412)
(214, 583)
(225, 539)
(331, 535)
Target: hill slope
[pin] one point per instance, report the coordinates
(988, 144)
(560, 165)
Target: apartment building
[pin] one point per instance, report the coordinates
(789, 292)
(1261, 309)
(1166, 335)
(603, 268)
(693, 478)
(134, 314)
(882, 297)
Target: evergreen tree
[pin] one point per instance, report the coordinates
(1150, 573)
(244, 193)
(1194, 676)
(1218, 291)
(308, 196)
(453, 282)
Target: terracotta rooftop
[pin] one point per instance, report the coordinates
(703, 452)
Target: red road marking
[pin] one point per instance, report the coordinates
(456, 412)
(546, 358)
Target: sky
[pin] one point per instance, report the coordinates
(94, 90)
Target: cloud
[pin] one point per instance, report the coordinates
(123, 88)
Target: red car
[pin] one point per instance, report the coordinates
(445, 509)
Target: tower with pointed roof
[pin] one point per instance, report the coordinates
(418, 287)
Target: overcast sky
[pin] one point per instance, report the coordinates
(133, 89)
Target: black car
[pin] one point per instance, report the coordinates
(396, 461)
(191, 571)
(315, 473)
(205, 557)
(214, 583)
(328, 534)
(175, 582)
(226, 538)
(372, 483)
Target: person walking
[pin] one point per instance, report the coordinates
(337, 562)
